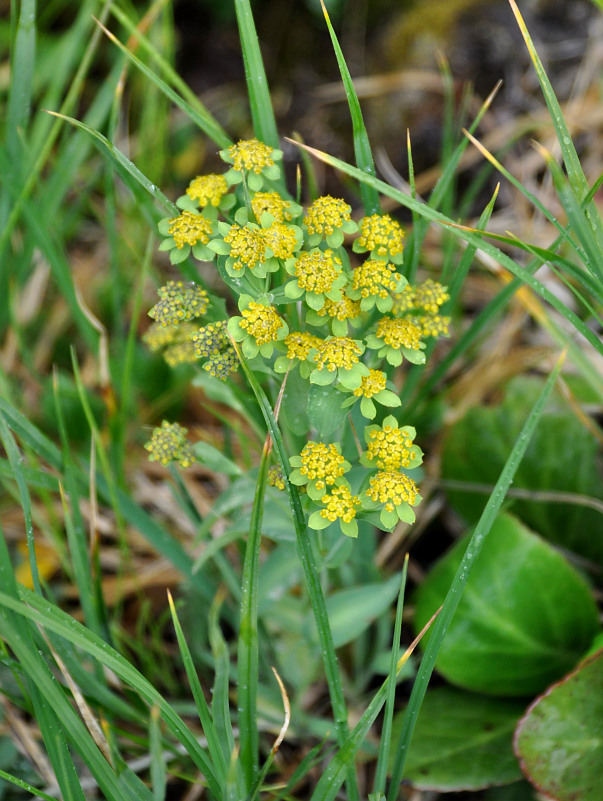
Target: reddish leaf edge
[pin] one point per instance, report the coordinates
(523, 719)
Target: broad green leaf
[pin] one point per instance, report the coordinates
(351, 611)
(293, 407)
(215, 459)
(324, 409)
(560, 739)
(562, 457)
(462, 741)
(526, 616)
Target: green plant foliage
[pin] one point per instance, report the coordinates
(562, 457)
(440, 759)
(560, 739)
(525, 619)
(352, 610)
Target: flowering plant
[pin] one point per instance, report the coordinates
(306, 307)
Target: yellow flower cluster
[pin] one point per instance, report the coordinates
(189, 228)
(321, 463)
(344, 309)
(179, 303)
(210, 340)
(390, 448)
(340, 504)
(371, 384)
(270, 203)
(381, 233)
(375, 277)
(159, 336)
(169, 444)
(403, 301)
(326, 214)
(337, 352)
(251, 154)
(392, 489)
(399, 333)
(429, 295)
(275, 477)
(261, 322)
(180, 353)
(247, 246)
(281, 240)
(208, 189)
(317, 271)
(300, 343)
(433, 325)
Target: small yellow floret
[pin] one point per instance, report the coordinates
(371, 384)
(169, 444)
(429, 295)
(340, 504)
(180, 353)
(399, 333)
(317, 271)
(247, 246)
(280, 239)
(327, 214)
(383, 233)
(275, 477)
(158, 336)
(321, 463)
(433, 325)
(179, 302)
(375, 277)
(270, 203)
(189, 228)
(300, 343)
(261, 322)
(208, 189)
(210, 340)
(390, 447)
(337, 352)
(251, 154)
(392, 489)
(344, 309)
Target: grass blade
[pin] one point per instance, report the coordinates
(247, 654)
(203, 119)
(122, 162)
(453, 597)
(262, 114)
(35, 608)
(386, 732)
(14, 458)
(362, 147)
(207, 724)
(575, 174)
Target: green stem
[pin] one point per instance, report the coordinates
(247, 666)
